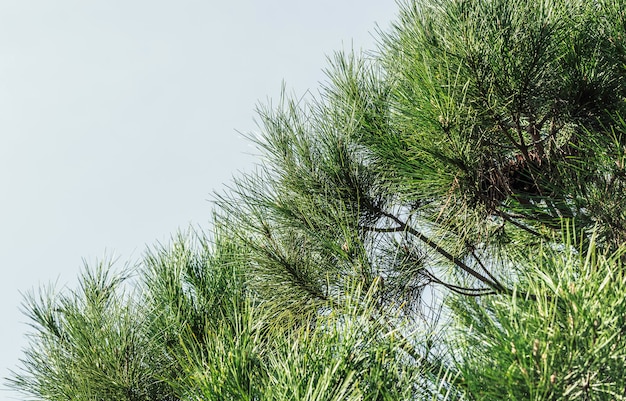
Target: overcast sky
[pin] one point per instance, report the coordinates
(118, 119)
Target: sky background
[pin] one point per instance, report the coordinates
(118, 120)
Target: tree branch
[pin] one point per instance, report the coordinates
(517, 224)
(487, 272)
(471, 292)
(433, 245)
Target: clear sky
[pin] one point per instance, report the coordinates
(119, 118)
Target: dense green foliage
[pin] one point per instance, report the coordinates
(445, 221)
(566, 344)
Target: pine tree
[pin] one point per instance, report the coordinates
(445, 220)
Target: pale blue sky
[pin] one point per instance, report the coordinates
(118, 119)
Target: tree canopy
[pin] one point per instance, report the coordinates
(446, 219)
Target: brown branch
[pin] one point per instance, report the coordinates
(487, 272)
(471, 292)
(495, 287)
(433, 245)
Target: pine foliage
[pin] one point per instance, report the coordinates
(445, 220)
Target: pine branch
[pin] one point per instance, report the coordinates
(439, 249)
